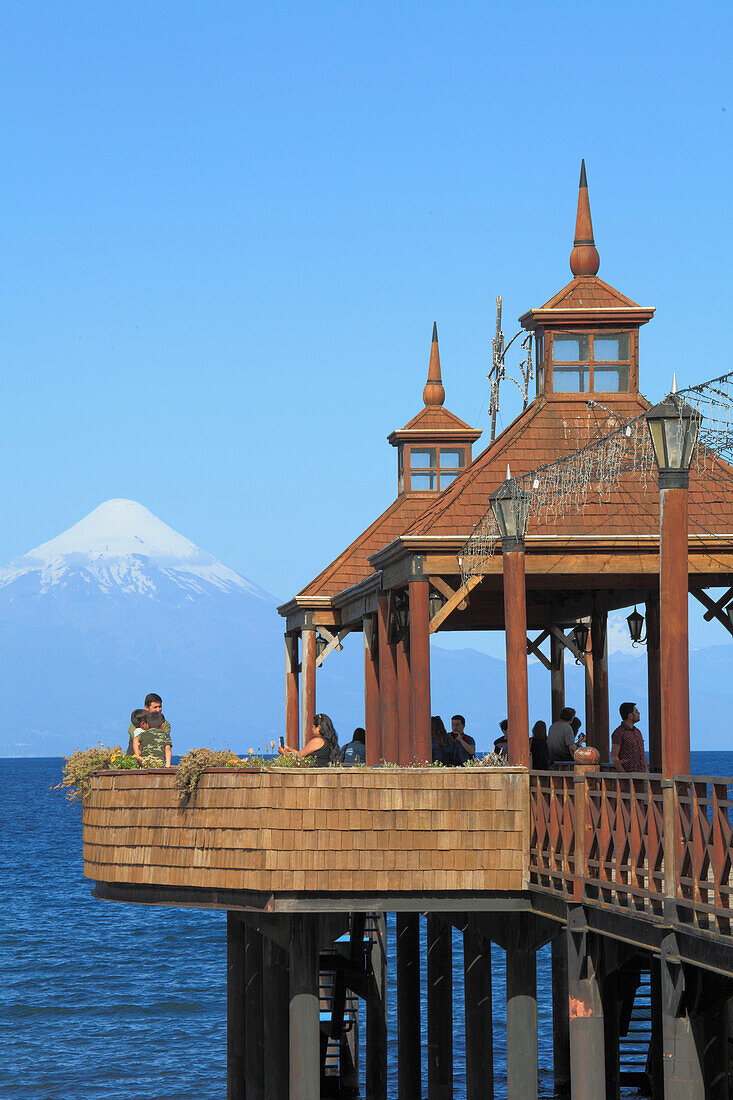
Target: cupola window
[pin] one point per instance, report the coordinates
(591, 362)
(434, 468)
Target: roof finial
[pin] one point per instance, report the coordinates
(674, 383)
(434, 394)
(508, 473)
(584, 259)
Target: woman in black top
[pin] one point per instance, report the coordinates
(538, 750)
(323, 745)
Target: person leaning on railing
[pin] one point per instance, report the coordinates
(627, 744)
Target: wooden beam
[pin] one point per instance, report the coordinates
(450, 605)
(334, 642)
(445, 590)
(719, 604)
(568, 643)
(714, 610)
(533, 647)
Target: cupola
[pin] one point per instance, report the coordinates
(435, 446)
(587, 335)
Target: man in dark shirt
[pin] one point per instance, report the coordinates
(501, 745)
(468, 745)
(627, 752)
(561, 739)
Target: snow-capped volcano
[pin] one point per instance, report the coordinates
(121, 546)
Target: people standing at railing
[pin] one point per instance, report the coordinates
(501, 745)
(561, 739)
(446, 749)
(627, 744)
(539, 753)
(579, 737)
(355, 751)
(466, 743)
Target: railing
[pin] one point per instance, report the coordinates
(643, 841)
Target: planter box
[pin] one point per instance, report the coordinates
(378, 830)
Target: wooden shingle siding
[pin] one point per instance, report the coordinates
(376, 830)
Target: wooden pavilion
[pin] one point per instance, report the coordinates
(400, 580)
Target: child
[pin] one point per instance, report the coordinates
(153, 703)
(150, 738)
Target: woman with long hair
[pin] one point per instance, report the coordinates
(442, 743)
(538, 751)
(322, 746)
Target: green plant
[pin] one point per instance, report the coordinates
(489, 760)
(192, 766)
(81, 765)
(124, 762)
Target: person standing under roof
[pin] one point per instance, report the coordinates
(627, 744)
(561, 739)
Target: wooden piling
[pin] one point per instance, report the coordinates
(681, 1051)
(478, 1017)
(409, 1076)
(521, 1023)
(560, 1018)
(440, 1008)
(236, 1009)
(376, 1010)
(305, 1077)
(587, 1036)
(255, 1037)
(275, 1015)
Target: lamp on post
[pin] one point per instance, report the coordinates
(510, 505)
(674, 427)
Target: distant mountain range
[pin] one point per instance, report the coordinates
(121, 604)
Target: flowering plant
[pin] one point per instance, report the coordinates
(124, 762)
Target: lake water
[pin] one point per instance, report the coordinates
(105, 1000)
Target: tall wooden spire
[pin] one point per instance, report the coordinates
(434, 394)
(584, 259)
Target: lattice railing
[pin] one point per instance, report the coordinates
(703, 851)
(624, 842)
(552, 832)
(644, 842)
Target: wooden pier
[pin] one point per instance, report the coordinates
(627, 876)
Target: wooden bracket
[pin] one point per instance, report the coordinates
(453, 601)
(334, 642)
(714, 608)
(533, 647)
(445, 590)
(567, 641)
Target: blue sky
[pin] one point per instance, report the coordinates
(227, 229)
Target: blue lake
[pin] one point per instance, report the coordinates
(106, 1000)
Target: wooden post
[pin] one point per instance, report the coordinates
(420, 666)
(387, 684)
(308, 668)
(611, 1018)
(371, 693)
(255, 1042)
(515, 626)
(276, 1023)
(405, 739)
(305, 1039)
(236, 1009)
(599, 645)
(587, 1036)
(376, 1009)
(673, 583)
(560, 1019)
(557, 676)
(408, 1007)
(479, 1019)
(521, 1023)
(440, 1008)
(654, 698)
(292, 701)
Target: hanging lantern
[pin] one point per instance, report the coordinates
(321, 644)
(580, 638)
(510, 506)
(636, 625)
(435, 603)
(400, 617)
(673, 426)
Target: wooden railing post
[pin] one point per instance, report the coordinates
(669, 805)
(587, 760)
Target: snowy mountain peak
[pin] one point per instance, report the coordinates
(121, 546)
